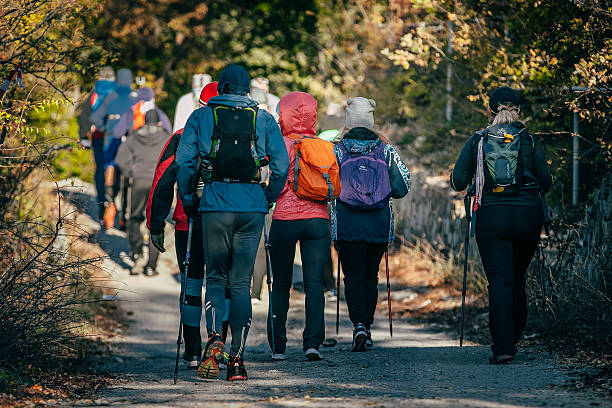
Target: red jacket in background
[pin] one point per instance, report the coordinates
(298, 115)
(163, 188)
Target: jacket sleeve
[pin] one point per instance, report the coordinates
(124, 124)
(125, 155)
(196, 140)
(399, 175)
(465, 166)
(540, 166)
(84, 124)
(161, 195)
(276, 150)
(164, 120)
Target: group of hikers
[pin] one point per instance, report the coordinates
(244, 153)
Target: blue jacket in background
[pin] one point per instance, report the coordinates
(196, 143)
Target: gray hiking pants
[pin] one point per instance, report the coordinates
(230, 247)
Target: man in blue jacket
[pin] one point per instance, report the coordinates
(233, 140)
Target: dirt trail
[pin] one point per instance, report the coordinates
(416, 368)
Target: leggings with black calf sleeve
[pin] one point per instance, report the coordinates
(360, 262)
(192, 313)
(507, 237)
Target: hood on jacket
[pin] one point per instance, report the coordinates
(124, 78)
(298, 114)
(104, 86)
(360, 140)
(234, 80)
(240, 101)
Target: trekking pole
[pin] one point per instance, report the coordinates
(547, 222)
(388, 292)
(179, 340)
(338, 295)
(466, 246)
(269, 282)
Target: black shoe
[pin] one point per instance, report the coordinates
(369, 343)
(235, 369)
(360, 336)
(500, 359)
(148, 271)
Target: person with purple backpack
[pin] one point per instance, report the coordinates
(371, 174)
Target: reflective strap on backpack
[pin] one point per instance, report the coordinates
(330, 187)
(296, 171)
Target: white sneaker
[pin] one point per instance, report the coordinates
(313, 355)
(278, 356)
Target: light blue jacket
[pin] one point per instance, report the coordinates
(230, 197)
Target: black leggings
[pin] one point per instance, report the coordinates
(507, 237)
(314, 237)
(360, 261)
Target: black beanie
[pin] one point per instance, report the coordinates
(233, 80)
(503, 96)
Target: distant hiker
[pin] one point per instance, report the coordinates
(233, 140)
(297, 218)
(105, 118)
(93, 137)
(158, 206)
(189, 102)
(137, 158)
(510, 171)
(372, 173)
(264, 84)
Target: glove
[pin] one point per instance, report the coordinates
(191, 211)
(157, 239)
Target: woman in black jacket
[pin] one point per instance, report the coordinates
(510, 172)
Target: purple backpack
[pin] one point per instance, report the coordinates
(365, 179)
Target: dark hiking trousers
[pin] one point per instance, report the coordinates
(507, 237)
(314, 238)
(138, 205)
(329, 279)
(192, 313)
(97, 145)
(360, 262)
(230, 246)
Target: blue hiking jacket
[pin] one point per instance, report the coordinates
(217, 196)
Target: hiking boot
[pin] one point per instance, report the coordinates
(313, 354)
(500, 359)
(369, 343)
(331, 295)
(235, 369)
(139, 264)
(192, 361)
(149, 271)
(278, 356)
(109, 216)
(213, 355)
(360, 336)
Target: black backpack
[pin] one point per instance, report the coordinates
(234, 156)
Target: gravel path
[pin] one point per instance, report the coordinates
(415, 368)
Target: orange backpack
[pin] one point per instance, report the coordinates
(317, 174)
